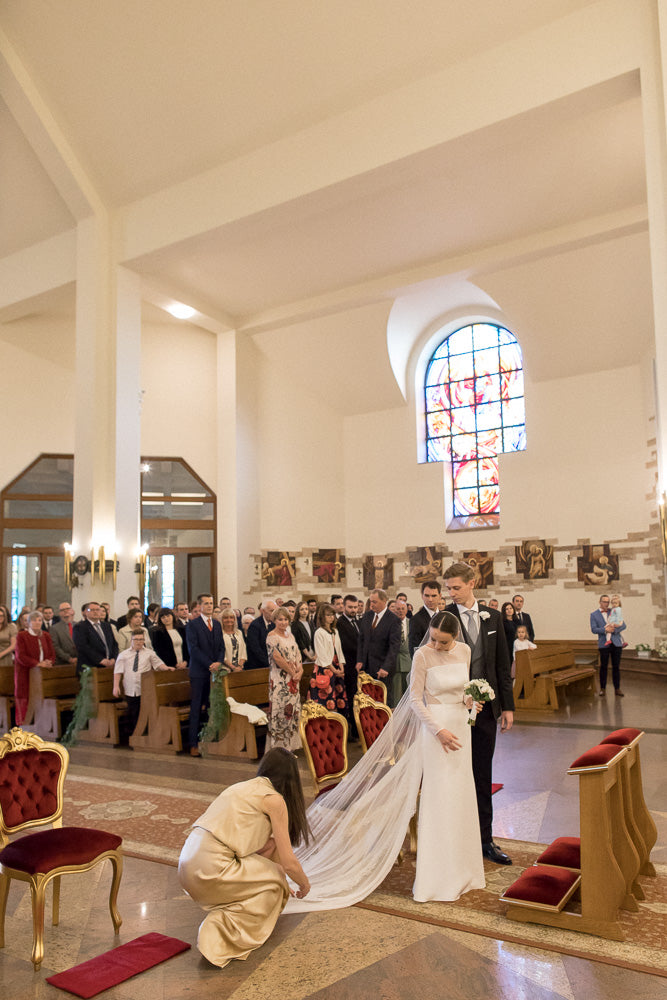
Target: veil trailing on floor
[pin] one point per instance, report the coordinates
(359, 827)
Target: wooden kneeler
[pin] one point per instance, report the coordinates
(609, 861)
(638, 819)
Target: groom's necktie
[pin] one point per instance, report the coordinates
(472, 626)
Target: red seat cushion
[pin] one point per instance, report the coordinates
(49, 849)
(546, 886)
(325, 742)
(372, 723)
(564, 851)
(622, 737)
(28, 785)
(598, 756)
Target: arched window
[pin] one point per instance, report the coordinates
(474, 410)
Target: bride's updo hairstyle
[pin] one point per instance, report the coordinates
(280, 767)
(445, 621)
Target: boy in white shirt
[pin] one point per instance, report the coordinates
(130, 665)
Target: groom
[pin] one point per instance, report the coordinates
(482, 629)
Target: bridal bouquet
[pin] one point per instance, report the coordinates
(480, 690)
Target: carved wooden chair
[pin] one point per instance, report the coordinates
(375, 689)
(324, 738)
(32, 775)
(371, 717)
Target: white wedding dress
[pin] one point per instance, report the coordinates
(449, 853)
(358, 828)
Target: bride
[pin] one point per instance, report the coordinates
(359, 827)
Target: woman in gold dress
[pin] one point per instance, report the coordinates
(235, 860)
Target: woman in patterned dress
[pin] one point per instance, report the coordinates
(327, 685)
(284, 676)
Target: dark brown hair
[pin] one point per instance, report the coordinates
(280, 767)
(445, 621)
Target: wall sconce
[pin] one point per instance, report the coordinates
(508, 563)
(140, 567)
(663, 526)
(68, 564)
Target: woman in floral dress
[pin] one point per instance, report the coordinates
(284, 676)
(327, 685)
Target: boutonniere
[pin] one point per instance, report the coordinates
(484, 615)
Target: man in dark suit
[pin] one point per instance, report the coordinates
(62, 634)
(258, 630)
(521, 617)
(95, 643)
(379, 639)
(348, 631)
(420, 621)
(206, 652)
(482, 630)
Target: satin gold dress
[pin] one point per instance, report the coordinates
(218, 867)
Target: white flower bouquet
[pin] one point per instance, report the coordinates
(480, 690)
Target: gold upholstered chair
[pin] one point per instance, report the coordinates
(375, 689)
(324, 739)
(371, 717)
(32, 776)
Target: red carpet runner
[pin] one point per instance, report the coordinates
(115, 966)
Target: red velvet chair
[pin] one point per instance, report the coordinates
(32, 775)
(375, 689)
(324, 738)
(371, 717)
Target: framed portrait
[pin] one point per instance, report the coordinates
(278, 569)
(597, 567)
(534, 559)
(425, 563)
(329, 565)
(378, 572)
(482, 564)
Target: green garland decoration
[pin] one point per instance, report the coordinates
(219, 715)
(83, 708)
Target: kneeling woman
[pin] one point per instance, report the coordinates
(235, 859)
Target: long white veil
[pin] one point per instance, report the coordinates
(358, 828)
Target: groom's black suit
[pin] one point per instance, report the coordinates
(490, 661)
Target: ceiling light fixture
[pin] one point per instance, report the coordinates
(180, 311)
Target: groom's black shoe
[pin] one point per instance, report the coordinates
(493, 853)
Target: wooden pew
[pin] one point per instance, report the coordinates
(103, 725)
(249, 687)
(52, 691)
(165, 704)
(6, 697)
(542, 672)
(605, 872)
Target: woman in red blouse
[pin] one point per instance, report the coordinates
(34, 648)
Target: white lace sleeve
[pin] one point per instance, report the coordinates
(418, 692)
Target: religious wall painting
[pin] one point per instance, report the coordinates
(598, 566)
(482, 564)
(425, 563)
(278, 569)
(534, 559)
(329, 566)
(378, 572)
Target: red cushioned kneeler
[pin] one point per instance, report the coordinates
(622, 737)
(564, 852)
(543, 887)
(597, 758)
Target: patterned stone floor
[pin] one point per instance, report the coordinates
(355, 953)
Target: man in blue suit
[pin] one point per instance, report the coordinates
(206, 653)
(605, 631)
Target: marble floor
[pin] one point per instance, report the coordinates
(355, 952)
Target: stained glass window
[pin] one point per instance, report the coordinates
(475, 410)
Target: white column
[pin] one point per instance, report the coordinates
(238, 508)
(107, 432)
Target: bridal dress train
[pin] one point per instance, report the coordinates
(359, 827)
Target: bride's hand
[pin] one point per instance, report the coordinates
(448, 741)
(469, 703)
